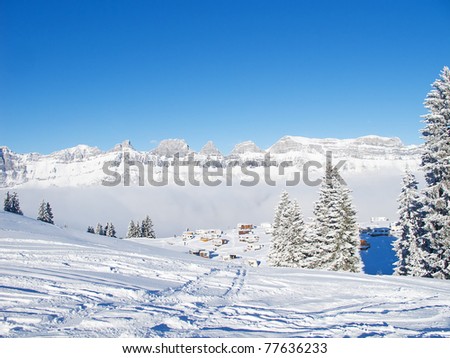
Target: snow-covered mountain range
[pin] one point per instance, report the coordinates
(83, 165)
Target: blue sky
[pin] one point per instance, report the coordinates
(98, 72)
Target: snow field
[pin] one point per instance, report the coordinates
(62, 283)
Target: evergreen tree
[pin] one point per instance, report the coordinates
(279, 231)
(15, 206)
(90, 230)
(131, 229)
(110, 231)
(99, 230)
(45, 213)
(326, 224)
(49, 214)
(334, 242)
(346, 252)
(289, 237)
(137, 230)
(134, 230)
(436, 164)
(283, 203)
(147, 228)
(12, 204)
(411, 253)
(295, 242)
(7, 203)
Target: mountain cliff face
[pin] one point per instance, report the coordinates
(369, 147)
(209, 150)
(246, 147)
(169, 147)
(84, 166)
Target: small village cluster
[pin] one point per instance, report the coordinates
(244, 233)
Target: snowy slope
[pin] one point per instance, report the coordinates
(55, 282)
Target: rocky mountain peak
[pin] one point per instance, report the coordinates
(246, 147)
(169, 147)
(210, 149)
(126, 144)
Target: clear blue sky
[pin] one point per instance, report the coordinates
(98, 72)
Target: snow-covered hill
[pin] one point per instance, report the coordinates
(56, 282)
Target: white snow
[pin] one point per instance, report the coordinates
(62, 283)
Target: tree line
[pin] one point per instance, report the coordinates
(145, 229)
(12, 205)
(330, 242)
(45, 214)
(135, 230)
(423, 248)
(109, 230)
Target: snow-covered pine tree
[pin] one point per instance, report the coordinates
(346, 255)
(290, 241)
(436, 164)
(41, 212)
(12, 204)
(409, 247)
(278, 234)
(15, 205)
(334, 241)
(295, 242)
(147, 228)
(49, 214)
(7, 203)
(282, 204)
(45, 213)
(326, 223)
(99, 230)
(279, 256)
(137, 230)
(134, 229)
(131, 229)
(110, 231)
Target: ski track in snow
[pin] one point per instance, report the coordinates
(56, 284)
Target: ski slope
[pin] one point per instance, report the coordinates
(61, 283)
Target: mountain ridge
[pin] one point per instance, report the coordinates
(82, 164)
(127, 144)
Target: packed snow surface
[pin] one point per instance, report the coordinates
(57, 282)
